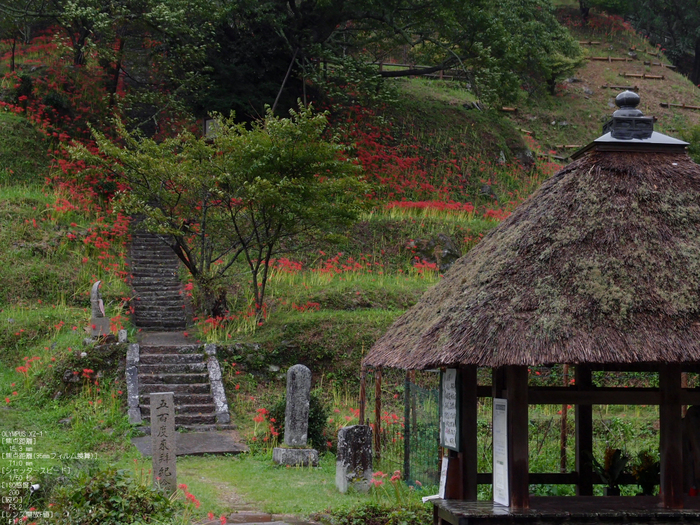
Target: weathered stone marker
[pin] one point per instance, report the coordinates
(163, 440)
(296, 421)
(99, 324)
(296, 415)
(353, 466)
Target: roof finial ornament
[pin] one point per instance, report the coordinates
(630, 130)
(628, 122)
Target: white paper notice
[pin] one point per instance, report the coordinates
(449, 413)
(443, 481)
(500, 452)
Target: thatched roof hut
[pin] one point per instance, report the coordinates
(600, 265)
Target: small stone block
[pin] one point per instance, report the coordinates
(295, 457)
(122, 336)
(99, 326)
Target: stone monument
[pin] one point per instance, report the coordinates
(296, 421)
(99, 324)
(353, 466)
(163, 440)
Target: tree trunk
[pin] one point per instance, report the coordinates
(12, 56)
(695, 74)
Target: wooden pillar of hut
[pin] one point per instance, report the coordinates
(671, 436)
(462, 472)
(518, 461)
(468, 432)
(584, 435)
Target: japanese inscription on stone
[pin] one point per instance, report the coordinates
(163, 440)
(449, 410)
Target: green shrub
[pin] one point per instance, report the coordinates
(374, 513)
(110, 496)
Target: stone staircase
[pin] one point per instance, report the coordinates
(165, 361)
(190, 371)
(159, 303)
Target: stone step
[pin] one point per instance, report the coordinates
(171, 349)
(169, 368)
(161, 325)
(165, 326)
(143, 308)
(169, 359)
(137, 273)
(189, 419)
(173, 292)
(182, 398)
(193, 388)
(153, 280)
(172, 379)
(157, 317)
(173, 302)
(194, 428)
(208, 408)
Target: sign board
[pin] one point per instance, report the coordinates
(211, 128)
(443, 481)
(449, 409)
(500, 452)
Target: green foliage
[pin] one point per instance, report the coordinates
(617, 7)
(246, 194)
(23, 155)
(109, 495)
(374, 513)
(318, 419)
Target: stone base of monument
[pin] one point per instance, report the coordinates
(99, 326)
(295, 457)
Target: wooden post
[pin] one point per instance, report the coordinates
(498, 382)
(671, 437)
(407, 427)
(584, 435)
(468, 455)
(377, 413)
(563, 434)
(363, 394)
(518, 463)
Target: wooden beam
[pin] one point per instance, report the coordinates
(518, 421)
(671, 437)
(377, 413)
(468, 456)
(584, 435)
(593, 396)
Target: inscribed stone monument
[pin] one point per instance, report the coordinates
(296, 421)
(353, 467)
(163, 440)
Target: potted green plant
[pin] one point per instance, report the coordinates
(646, 471)
(613, 466)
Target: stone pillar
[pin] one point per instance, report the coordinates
(296, 415)
(296, 421)
(353, 467)
(99, 324)
(163, 440)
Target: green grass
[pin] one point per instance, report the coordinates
(272, 488)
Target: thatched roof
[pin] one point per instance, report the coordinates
(600, 265)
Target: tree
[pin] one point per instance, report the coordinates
(675, 25)
(500, 44)
(239, 199)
